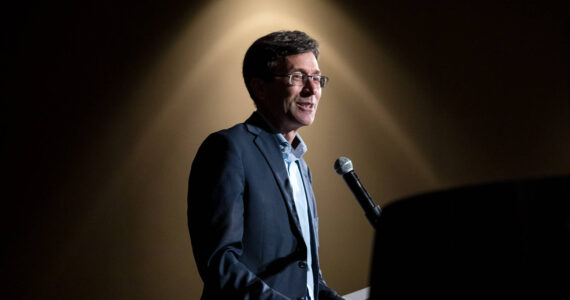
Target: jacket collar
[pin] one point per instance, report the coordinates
(268, 144)
(257, 123)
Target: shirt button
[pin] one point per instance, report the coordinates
(302, 265)
(301, 298)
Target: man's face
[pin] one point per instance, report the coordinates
(292, 106)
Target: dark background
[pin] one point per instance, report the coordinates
(68, 70)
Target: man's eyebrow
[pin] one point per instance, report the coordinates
(317, 72)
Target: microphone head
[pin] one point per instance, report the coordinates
(342, 165)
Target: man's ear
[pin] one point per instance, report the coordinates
(258, 88)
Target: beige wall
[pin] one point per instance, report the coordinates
(422, 97)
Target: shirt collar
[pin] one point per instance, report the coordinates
(290, 153)
(285, 147)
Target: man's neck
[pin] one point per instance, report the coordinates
(288, 134)
(290, 137)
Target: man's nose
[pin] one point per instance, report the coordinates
(311, 86)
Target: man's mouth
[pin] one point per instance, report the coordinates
(305, 105)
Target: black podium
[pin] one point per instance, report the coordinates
(505, 239)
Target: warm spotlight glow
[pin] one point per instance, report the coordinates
(206, 86)
(200, 89)
(422, 97)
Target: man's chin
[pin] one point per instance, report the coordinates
(306, 122)
(306, 118)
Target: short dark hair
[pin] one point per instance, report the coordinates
(266, 52)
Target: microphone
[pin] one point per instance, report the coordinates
(343, 166)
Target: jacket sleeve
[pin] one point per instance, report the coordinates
(216, 222)
(326, 293)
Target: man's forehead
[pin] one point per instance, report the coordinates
(299, 62)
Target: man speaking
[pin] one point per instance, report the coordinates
(252, 213)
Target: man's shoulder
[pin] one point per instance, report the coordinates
(253, 125)
(236, 131)
(238, 128)
(239, 135)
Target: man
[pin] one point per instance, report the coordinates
(251, 210)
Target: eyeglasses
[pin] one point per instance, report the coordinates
(301, 79)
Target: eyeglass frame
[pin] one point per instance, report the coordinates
(305, 77)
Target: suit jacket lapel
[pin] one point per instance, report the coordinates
(267, 145)
(307, 182)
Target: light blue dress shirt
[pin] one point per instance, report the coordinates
(291, 158)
